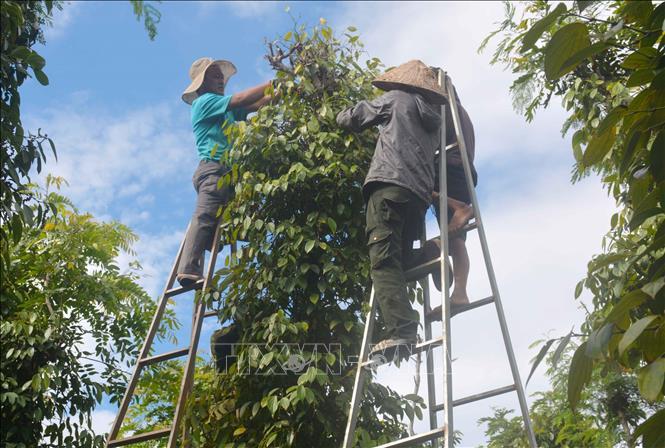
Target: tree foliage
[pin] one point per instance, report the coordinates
(300, 280)
(21, 24)
(71, 321)
(24, 152)
(606, 60)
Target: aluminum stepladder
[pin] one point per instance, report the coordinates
(421, 273)
(199, 313)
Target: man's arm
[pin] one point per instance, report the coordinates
(248, 97)
(364, 114)
(259, 104)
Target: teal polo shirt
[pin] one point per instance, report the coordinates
(210, 116)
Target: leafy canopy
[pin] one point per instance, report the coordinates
(72, 323)
(606, 60)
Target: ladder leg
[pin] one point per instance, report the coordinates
(360, 374)
(490, 269)
(429, 360)
(147, 345)
(445, 289)
(188, 377)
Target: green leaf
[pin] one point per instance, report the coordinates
(313, 125)
(41, 77)
(577, 58)
(634, 332)
(650, 379)
(579, 374)
(651, 431)
(332, 224)
(309, 245)
(35, 60)
(559, 350)
(266, 359)
(641, 59)
(288, 35)
(239, 431)
(640, 77)
(314, 298)
(628, 302)
(565, 43)
(598, 340)
(531, 37)
(654, 287)
(599, 146)
(539, 357)
(657, 157)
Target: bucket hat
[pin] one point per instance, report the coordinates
(413, 76)
(197, 73)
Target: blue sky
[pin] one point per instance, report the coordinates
(124, 144)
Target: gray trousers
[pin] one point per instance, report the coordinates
(204, 220)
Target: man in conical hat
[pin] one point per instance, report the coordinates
(398, 187)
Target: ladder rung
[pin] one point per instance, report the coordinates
(210, 313)
(422, 270)
(470, 226)
(418, 348)
(451, 146)
(475, 304)
(423, 346)
(184, 289)
(164, 357)
(140, 437)
(418, 438)
(477, 397)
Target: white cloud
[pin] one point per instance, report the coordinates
(242, 9)
(155, 253)
(447, 35)
(111, 158)
(62, 20)
(102, 420)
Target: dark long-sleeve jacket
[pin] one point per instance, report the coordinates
(408, 137)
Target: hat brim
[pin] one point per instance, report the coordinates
(191, 92)
(430, 95)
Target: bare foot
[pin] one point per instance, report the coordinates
(459, 298)
(460, 218)
(435, 313)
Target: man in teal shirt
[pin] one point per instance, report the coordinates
(212, 111)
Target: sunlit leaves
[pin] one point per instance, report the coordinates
(531, 37)
(650, 379)
(651, 431)
(66, 288)
(563, 45)
(606, 64)
(580, 373)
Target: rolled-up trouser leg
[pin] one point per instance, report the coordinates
(204, 219)
(393, 217)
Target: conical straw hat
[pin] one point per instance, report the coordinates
(413, 76)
